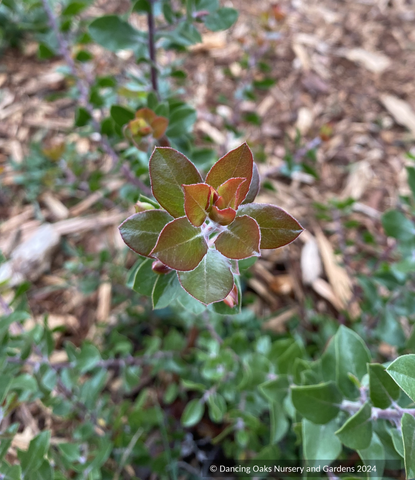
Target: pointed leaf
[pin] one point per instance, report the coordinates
(229, 193)
(278, 228)
(165, 290)
(317, 403)
(402, 370)
(222, 217)
(145, 278)
(383, 389)
(320, 443)
(356, 433)
(351, 356)
(240, 240)
(408, 435)
(196, 202)
(180, 246)
(169, 170)
(374, 454)
(211, 281)
(236, 163)
(193, 413)
(254, 187)
(141, 231)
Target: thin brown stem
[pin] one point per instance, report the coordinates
(152, 48)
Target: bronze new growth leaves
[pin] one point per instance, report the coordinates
(204, 226)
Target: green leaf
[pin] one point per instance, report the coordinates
(397, 441)
(383, 390)
(356, 433)
(82, 117)
(180, 246)
(114, 34)
(88, 357)
(74, 8)
(145, 278)
(411, 180)
(320, 443)
(69, 451)
(240, 240)
(217, 407)
(396, 225)
(278, 228)
(5, 382)
(408, 435)
(169, 170)
(402, 370)
(211, 281)
(275, 390)
(121, 115)
(278, 423)
(237, 163)
(142, 6)
(317, 403)
(196, 202)
(181, 121)
(10, 472)
(32, 459)
(141, 231)
(254, 187)
(222, 19)
(193, 413)
(189, 303)
(165, 290)
(352, 356)
(374, 453)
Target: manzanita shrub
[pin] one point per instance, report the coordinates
(201, 229)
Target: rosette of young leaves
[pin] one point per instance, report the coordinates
(146, 125)
(205, 226)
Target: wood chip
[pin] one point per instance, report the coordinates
(91, 222)
(55, 206)
(311, 266)
(337, 275)
(216, 135)
(277, 324)
(375, 62)
(400, 110)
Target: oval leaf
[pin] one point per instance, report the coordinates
(169, 170)
(240, 240)
(357, 432)
(254, 187)
(402, 370)
(114, 34)
(278, 228)
(211, 281)
(408, 435)
(237, 163)
(180, 246)
(317, 403)
(196, 202)
(141, 231)
(193, 413)
(383, 390)
(165, 290)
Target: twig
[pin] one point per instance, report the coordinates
(151, 48)
(391, 414)
(83, 87)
